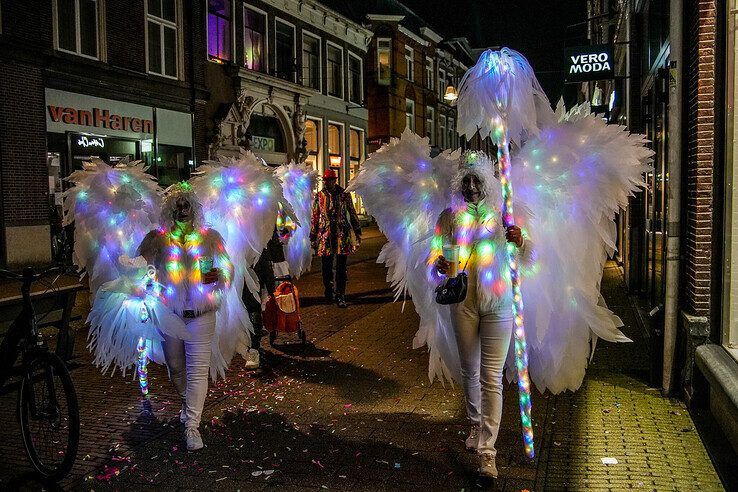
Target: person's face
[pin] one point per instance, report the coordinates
(331, 184)
(182, 210)
(471, 188)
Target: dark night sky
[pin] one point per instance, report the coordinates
(536, 28)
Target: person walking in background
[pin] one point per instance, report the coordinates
(335, 233)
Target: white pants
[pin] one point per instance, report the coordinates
(483, 339)
(188, 362)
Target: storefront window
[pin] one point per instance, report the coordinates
(335, 71)
(266, 134)
(219, 30)
(335, 149)
(312, 136)
(356, 146)
(76, 27)
(254, 34)
(162, 37)
(172, 164)
(285, 51)
(730, 274)
(384, 61)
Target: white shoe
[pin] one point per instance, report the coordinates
(252, 359)
(487, 467)
(183, 412)
(194, 441)
(472, 442)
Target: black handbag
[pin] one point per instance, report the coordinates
(453, 290)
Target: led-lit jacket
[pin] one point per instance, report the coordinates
(176, 257)
(479, 227)
(347, 227)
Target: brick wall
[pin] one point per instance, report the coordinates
(700, 39)
(125, 37)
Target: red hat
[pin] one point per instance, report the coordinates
(330, 174)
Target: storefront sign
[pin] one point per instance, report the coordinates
(262, 143)
(86, 142)
(585, 63)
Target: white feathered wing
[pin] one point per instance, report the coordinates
(298, 186)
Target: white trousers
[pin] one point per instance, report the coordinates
(188, 362)
(483, 339)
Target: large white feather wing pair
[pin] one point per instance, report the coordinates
(573, 177)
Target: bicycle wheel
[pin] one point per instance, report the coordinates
(48, 413)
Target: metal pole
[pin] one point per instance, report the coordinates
(673, 201)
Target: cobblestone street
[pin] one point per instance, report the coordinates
(354, 410)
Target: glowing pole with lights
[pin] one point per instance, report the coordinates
(142, 367)
(521, 349)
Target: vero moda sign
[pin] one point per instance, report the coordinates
(585, 63)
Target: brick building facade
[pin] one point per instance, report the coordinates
(80, 79)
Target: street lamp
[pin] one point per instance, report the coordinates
(451, 94)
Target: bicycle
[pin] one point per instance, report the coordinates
(48, 410)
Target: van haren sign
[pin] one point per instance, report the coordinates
(585, 63)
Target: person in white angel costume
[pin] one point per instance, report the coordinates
(571, 173)
(167, 268)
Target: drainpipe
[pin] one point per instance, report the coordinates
(674, 187)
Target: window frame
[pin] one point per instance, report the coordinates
(430, 79)
(233, 35)
(410, 63)
(442, 131)
(163, 22)
(380, 80)
(99, 9)
(361, 78)
(294, 49)
(342, 97)
(451, 129)
(319, 144)
(411, 103)
(265, 56)
(317, 38)
(441, 82)
(430, 118)
(342, 143)
(358, 203)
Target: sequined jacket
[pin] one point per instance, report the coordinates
(347, 228)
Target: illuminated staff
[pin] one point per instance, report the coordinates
(521, 350)
(142, 367)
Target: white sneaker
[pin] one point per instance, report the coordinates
(487, 467)
(194, 441)
(252, 359)
(472, 442)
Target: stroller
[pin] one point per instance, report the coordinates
(282, 311)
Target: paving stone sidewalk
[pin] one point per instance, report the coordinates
(356, 412)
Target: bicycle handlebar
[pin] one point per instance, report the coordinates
(28, 273)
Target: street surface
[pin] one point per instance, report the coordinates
(354, 410)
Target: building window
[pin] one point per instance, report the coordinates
(356, 95)
(729, 338)
(441, 83)
(335, 71)
(161, 18)
(77, 27)
(429, 73)
(384, 61)
(410, 115)
(430, 124)
(285, 38)
(311, 62)
(254, 36)
(442, 131)
(313, 138)
(409, 64)
(451, 129)
(335, 149)
(356, 146)
(219, 30)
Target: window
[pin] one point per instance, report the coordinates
(429, 72)
(335, 148)
(384, 61)
(430, 124)
(219, 30)
(77, 27)
(162, 51)
(356, 146)
(729, 338)
(409, 64)
(335, 71)
(356, 94)
(410, 114)
(254, 36)
(285, 37)
(451, 129)
(441, 83)
(311, 62)
(313, 138)
(442, 131)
